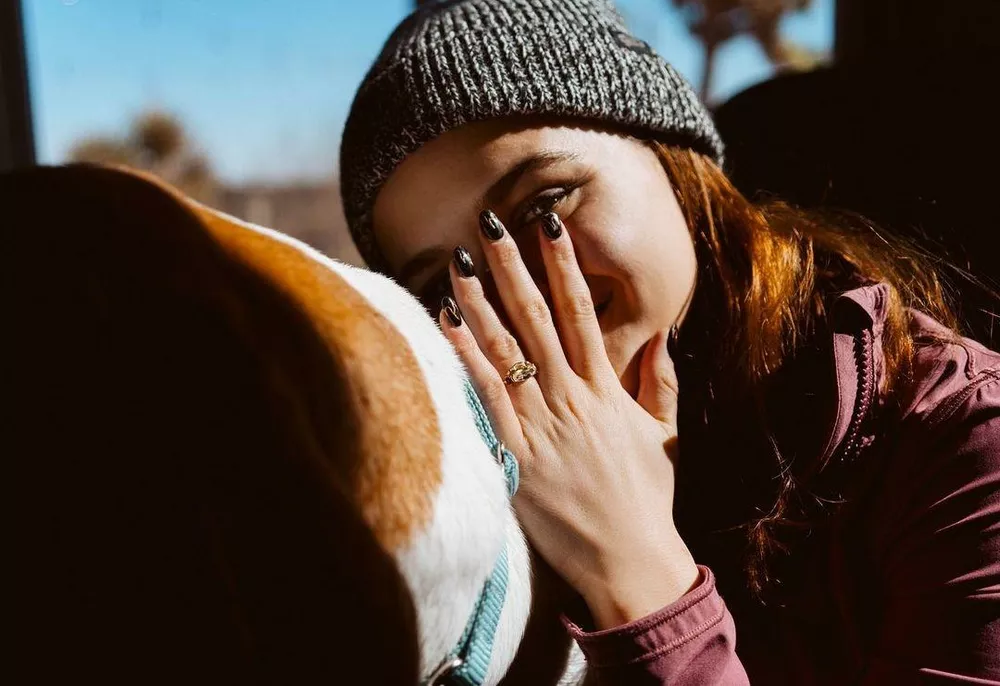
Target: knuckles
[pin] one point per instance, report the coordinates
(578, 305)
(501, 346)
(536, 312)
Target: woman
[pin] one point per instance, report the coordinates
(831, 465)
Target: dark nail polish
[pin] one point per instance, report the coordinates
(450, 308)
(672, 337)
(490, 224)
(463, 260)
(552, 225)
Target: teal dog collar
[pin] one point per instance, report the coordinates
(466, 665)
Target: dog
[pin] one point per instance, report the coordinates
(239, 460)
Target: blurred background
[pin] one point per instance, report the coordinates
(241, 102)
(881, 107)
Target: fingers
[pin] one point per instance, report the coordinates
(525, 306)
(495, 345)
(482, 373)
(577, 347)
(579, 330)
(658, 381)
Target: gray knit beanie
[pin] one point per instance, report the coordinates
(454, 62)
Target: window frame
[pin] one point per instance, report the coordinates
(17, 140)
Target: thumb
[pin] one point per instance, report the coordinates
(658, 381)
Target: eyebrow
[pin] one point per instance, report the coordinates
(537, 161)
(495, 195)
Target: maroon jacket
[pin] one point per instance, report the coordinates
(906, 591)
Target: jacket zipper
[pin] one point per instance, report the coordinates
(865, 365)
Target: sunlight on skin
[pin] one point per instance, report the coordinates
(613, 195)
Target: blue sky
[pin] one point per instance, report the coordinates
(264, 86)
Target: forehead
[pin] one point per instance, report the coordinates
(473, 154)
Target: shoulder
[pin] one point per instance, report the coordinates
(932, 521)
(937, 504)
(952, 377)
(949, 421)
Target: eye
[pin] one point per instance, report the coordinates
(435, 289)
(546, 201)
(552, 196)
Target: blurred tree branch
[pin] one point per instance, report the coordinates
(156, 142)
(716, 21)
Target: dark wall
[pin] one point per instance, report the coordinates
(901, 129)
(870, 31)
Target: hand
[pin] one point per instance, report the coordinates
(597, 466)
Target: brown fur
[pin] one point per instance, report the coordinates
(196, 445)
(398, 436)
(395, 425)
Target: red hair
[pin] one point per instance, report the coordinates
(768, 272)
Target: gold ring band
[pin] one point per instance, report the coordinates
(520, 372)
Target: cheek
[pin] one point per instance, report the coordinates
(651, 260)
(636, 235)
(668, 266)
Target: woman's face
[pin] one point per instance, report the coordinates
(613, 195)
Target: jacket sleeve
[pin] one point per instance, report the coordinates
(939, 554)
(690, 642)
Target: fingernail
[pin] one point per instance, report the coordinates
(463, 260)
(672, 336)
(552, 225)
(450, 308)
(490, 225)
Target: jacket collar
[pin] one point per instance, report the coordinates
(858, 319)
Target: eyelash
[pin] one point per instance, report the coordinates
(544, 201)
(435, 290)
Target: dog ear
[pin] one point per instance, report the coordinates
(177, 518)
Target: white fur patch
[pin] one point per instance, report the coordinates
(576, 667)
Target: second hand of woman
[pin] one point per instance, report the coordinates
(597, 465)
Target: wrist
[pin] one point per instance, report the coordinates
(646, 582)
